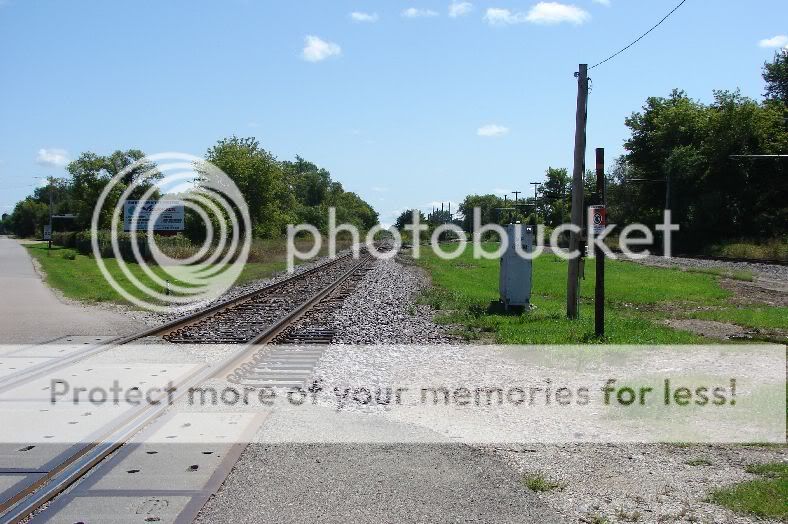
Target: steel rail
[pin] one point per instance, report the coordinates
(283, 323)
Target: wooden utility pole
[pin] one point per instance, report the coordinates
(573, 277)
(599, 255)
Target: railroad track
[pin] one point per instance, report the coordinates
(769, 261)
(269, 315)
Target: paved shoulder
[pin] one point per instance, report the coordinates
(31, 313)
(338, 483)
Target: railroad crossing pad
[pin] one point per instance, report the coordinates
(192, 452)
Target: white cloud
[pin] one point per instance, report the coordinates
(500, 16)
(457, 9)
(358, 16)
(605, 3)
(413, 12)
(379, 189)
(492, 130)
(541, 13)
(316, 49)
(555, 13)
(52, 157)
(775, 41)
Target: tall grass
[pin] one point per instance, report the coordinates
(179, 247)
(775, 249)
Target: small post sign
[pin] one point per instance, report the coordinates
(48, 232)
(168, 215)
(598, 218)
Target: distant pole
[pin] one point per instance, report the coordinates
(536, 188)
(536, 197)
(573, 276)
(516, 194)
(599, 290)
(51, 188)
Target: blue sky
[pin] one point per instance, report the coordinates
(402, 102)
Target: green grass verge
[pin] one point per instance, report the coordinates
(78, 276)
(637, 298)
(752, 317)
(764, 497)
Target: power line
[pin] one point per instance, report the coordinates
(640, 37)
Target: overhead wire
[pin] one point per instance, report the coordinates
(638, 39)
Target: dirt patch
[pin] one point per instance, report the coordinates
(708, 328)
(760, 291)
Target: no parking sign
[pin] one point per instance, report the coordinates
(598, 218)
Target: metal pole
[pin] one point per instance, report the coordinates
(536, 197)
(573, 275)
(599, 290)
(51, 188)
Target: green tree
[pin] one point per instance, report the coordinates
(775, 74)
(90, 173)
(29, 217)
(260, 180)
(713, 194)
(406, 217)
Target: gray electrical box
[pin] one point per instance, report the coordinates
(516, 271)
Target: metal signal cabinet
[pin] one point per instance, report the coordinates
(516, 272)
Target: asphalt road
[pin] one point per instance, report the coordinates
(31, 313)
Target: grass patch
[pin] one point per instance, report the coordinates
(765, 317)
(78, 276)
(698, 462)
(771, 470)
(628, 516)
(635, 296)
(740, 274)
(538, 482)
(764, 497)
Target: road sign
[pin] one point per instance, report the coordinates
(169, 214)
(598, 218)
(47, 232)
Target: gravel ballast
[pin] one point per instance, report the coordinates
(383, 309)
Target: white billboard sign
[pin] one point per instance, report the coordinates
(168, 214)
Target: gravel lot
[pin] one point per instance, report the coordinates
(639, 483)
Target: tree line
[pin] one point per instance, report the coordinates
(703, 161)
(277, 192)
